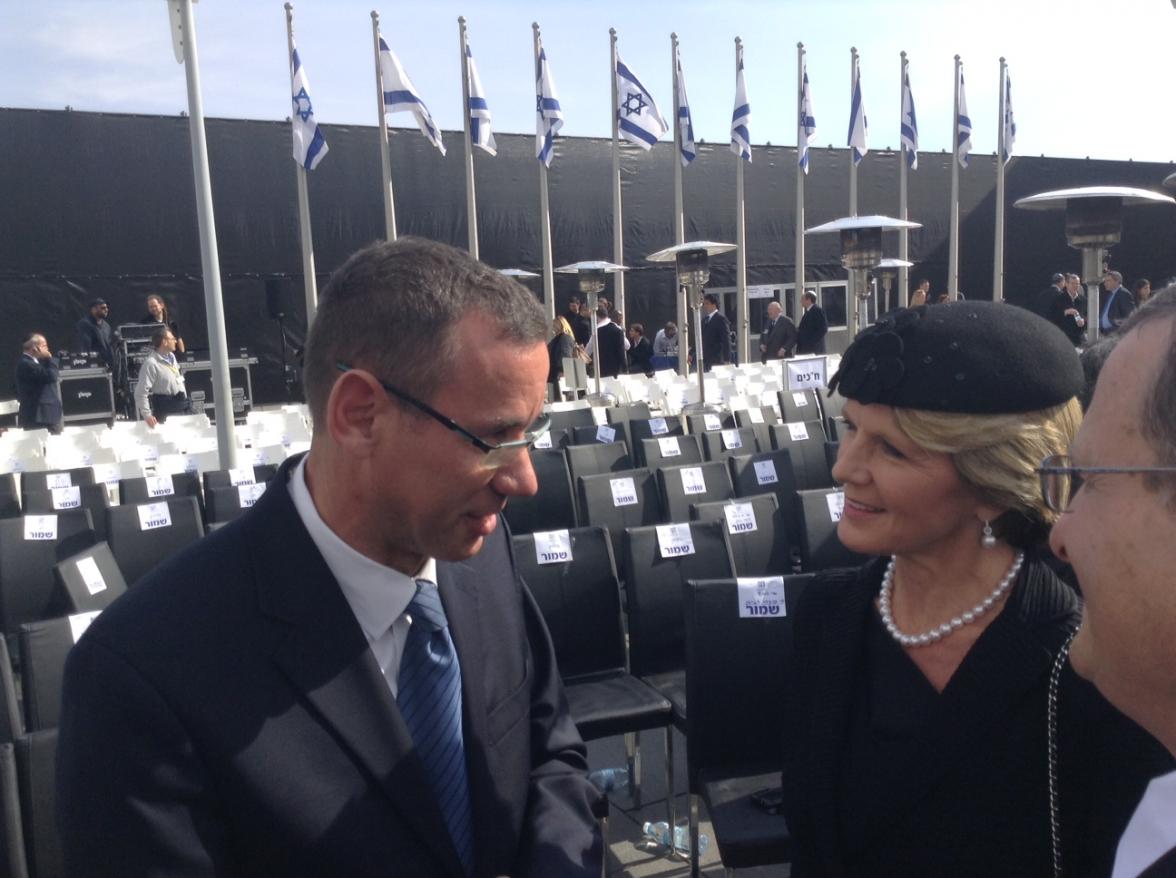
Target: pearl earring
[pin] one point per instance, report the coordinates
(988, 540)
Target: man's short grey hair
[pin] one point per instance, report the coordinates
(392, 308)
(1114, 275)
(1158, 423)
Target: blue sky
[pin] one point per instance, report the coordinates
(1089, 78)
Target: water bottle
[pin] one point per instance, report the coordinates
(609, 779)
(660, 833)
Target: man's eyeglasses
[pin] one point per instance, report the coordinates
(496, 455)
(1060, 479)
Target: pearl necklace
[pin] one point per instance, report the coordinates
(938, 633)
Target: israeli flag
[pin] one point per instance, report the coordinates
(858, 135)
(963, 126)
(909, 127)
(741, 117)
(687, 127)
(1010, 126)
(806, 134)
(309, 144)
(480, 133)
(638, 119)
(401, 96)
(548, 114)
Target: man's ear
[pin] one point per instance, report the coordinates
(355, 400)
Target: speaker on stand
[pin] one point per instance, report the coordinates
(277, 305)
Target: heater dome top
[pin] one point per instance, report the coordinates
(1059, 198)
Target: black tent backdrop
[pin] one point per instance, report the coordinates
(103, 205)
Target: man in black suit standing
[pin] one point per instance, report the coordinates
(95, 334)
(350, 679)
(810, 335)
(779, 335)
(577, 318)
(1117, 304)
(1117, 535)
(1042, 303)
(716, 334)
(1067, 311)
(38, 387)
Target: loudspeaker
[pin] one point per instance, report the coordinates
(275, 298)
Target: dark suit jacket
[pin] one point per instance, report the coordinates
(38, 393)
(610, 350)
(640, 356)
(810, 335)
(1117, 307)
(980, 761)
(779, 340)
(1058, 317)
(228, 718)
(716, 340)
(97, 336)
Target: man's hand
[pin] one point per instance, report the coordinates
(151, 421)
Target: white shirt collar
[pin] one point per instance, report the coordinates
(1151, 832)
(377, 594)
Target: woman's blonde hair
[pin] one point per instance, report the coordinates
(997, 457)
(565, 328)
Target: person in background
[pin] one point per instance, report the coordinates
(561, 345)
(665, 343)
(1042, 303)
(1118, 303)
(38, 387)
(1141, 290)
(95, 334)
(160, 390)
(640, 350)
(157, 313)
(810, 335)
(921, 293)
(1067, 311)
(716, 334)
(577, 319)
(612, 342)
(779, 335)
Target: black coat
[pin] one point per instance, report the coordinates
(1058, 317)
(97, 336)
(581, 328)
(641, 355)
(38, 393)
(778, 340)
(716, 340)
(810, 335)
(562, 345)
(610, 350)
(967, 794)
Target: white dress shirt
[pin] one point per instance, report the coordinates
(377, 595)
(1152, 830)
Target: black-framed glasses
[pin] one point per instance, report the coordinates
(496, 455)
(1060, 479)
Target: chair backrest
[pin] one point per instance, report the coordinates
(721, 444)
(43, 649)
(592, 460)
(153, 489)
(579, 598)
(622, 414)
(553, 506)
(768, 472)
(820, 547)
(670, 451)
(12, 849)
(683, 486)
(11, 721)
(832, 405)
(655, 570)
(222, 505)
(709, 422)
(36, 761)
(806, 446)
(603, 433)
(641, 429)
(799, 406)
(91, 579)
(224, 478)
(29, 547)
(759, 420)
(142, 535)
(9, 498)
(47, 479)
(755, 527)
(95, 498)
(567, 418)
(737, 656)
(619, 500)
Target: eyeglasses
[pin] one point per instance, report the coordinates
(1061, 480)
(496, 455)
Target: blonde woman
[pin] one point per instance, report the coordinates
(562, 344)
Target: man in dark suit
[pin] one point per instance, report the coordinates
(716, 334)
(350, 679)
(38, 387)
(95, 334)
(810, 335)
(640, 350)
(779, 335)
(1042, 303)
(612, 344)
(1117, 303)
(1067, 311)
(577, 318)
(1117, 535)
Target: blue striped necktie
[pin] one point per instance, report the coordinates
(429, 697)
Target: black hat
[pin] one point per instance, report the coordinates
(1057, 278)
(94, 303)
(966, 357)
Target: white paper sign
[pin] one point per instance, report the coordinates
(260, 457)
(605, 433)
(150, 454)
(756, 415)
(669, 446)
(765, 472)
(675, 540)
(66, 498)
(160, 486)
(624, 491)
(806, 374)
(543, 441)
(79, 622)
(657, 427)
(13, 465)
(800, 400)
(191, 465)
(798, 431)
(91, 575)
(58, 480)
(712, 422)
(243, 476)
(154, 515)
(761, 597)
(247, 495)
(731, 439)
(836, 502)
(40, 527)
(553, 547)
(740, 518)
(107, 473)
(692, 480)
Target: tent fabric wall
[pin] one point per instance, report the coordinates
(103, 205)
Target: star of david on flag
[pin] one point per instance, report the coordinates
(1010, 127)
(309, 144)
(684, 123)
(741, 116)
(963, 126)
(401, 96)
(908, 128)
(480, 133)
(548, 114)
(638, 119)
(806, 134)
(858, 131)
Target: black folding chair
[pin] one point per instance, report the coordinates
(756, 531)
(616, 501)
(759, 419)
(553, 506)
(28, 592)
(222, 505)
(223, 478)
(721, 444)
(800, 406)
(805, 443)
(62, 478)
(768, 472)
(142, 536)
(709, 422)
(153, 489)
(564, 420)
(43, 649)
(820, 547)
(683, 486)
(622, 414)
(36, 759)
(641, 429)
(12, 852)
(91, 497)
(594, 459)
(89, 579)
(671, 451)
(9, 499)
(604, 434)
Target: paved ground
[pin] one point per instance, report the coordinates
(628, 854)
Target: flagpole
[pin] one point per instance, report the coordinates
(545, 217)
(218, 346)
(741, 243)
(903, 234)
(852, 315)
(308, 280)
(1001, 146)
(618, 223)
(953, 235)
(385, 160)
(801, 143)
(679, 221)
(471, 194)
